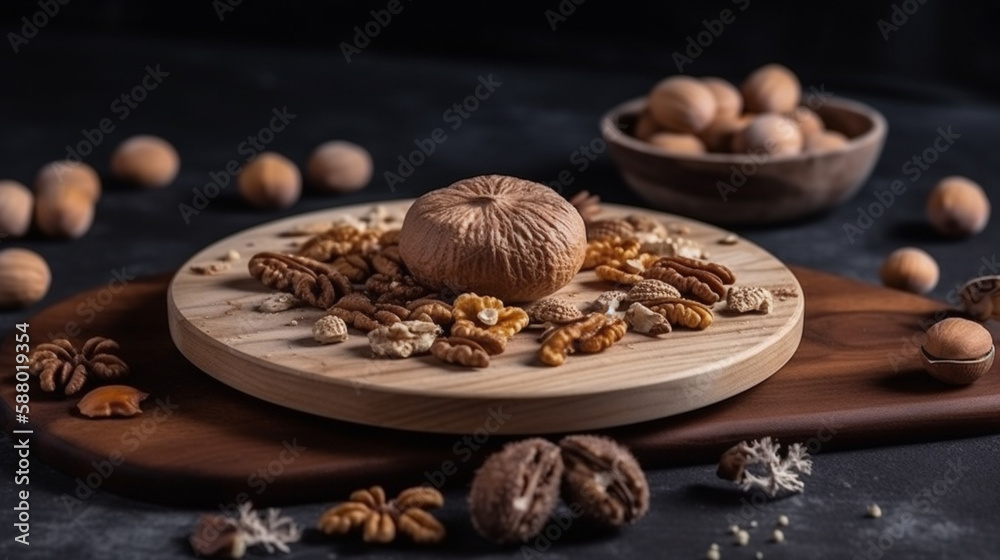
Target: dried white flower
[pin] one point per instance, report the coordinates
(777, 473)
(271, 531)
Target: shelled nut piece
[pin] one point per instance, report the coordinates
(340, 167)
(604, 479)
(112, 400)
(592, 334)
(270, 180)
(516, 490)
(958, 207)
(24, 278)
(460, 351)
(981, 297)
(646, 321)
(958, 351)
(16, 207)
(330, 329)
(381, 520)
(61, 367)
(313, 282)
(403, 339)
(747, 299)
(147, 161)
(910, 269)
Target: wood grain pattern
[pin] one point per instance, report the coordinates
(215, 324)
(839, 390)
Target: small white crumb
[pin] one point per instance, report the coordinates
(210, 269)
(733, 529)
(778, 536)
(742, 538)
(232, 256)
(874, 511)
(783, 520)
(714, 546)
(713, 554)
(729, 240)
(753, 523)
(278, 302)
(293, 323)
(759, 555)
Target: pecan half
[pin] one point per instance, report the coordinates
(683, 312)
(315, 283)
(460, 351)
(594, 333)
(703, 281)
(381, 520)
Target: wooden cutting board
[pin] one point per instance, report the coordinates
(215, 323)
(217, 445)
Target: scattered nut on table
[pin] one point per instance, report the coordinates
(24, 278)
(958, 351)
(112, 400)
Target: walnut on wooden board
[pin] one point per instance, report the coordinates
(358, 311)
(381, 520)
(315, 283)
(747, 299)
(594, 333)
(403, 339)
(485, 320)
(460, 351)
(398, 290)
(59, 366)
(608, 250)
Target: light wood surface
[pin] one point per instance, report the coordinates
(839, 390)
(215, 324)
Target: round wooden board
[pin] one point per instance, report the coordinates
(215, 323)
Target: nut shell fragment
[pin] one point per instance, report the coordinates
(981, 297)
(646, 321)
(516, 490)
(747, 299)
(112, 400)
(403, 339)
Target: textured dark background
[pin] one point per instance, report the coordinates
(938, 70)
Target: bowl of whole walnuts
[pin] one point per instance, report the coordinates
(763, 153)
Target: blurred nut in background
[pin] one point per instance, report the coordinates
(270, 180)
(728, 100)
(678, 143)
(809, 122)
(770, 134)
(64, 211)
(958, 207)
(147, 161)
(339, 166)
(771, 89)
(645, 126)
(16, 205)
(910, 269)
(824, 141)
(718, 137)
(73, 174)
(24, 278)
(682, 104)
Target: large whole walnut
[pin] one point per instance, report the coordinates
(510, 238)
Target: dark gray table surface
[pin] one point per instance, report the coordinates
(940, 499)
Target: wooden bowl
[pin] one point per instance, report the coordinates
(779, 189)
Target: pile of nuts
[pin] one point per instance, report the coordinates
(688, 115)
(353, 270)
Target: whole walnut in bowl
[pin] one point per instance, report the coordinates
(495, 235)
